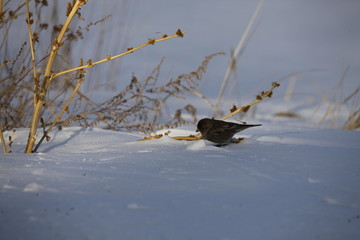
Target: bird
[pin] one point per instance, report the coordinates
(220, 132)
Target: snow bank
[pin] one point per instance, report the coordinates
(279, 183)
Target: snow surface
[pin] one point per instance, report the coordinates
(279, 183)
(285, 181)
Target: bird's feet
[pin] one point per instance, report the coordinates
(221, 144)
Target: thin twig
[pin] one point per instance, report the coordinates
(238, 51)
(63, 110)
(14, 14)
(58, 42)
(109, 58)
(29, 22)
(259, 99)
(196, 93)
(2, 141)
(47, 79)
(4, 64)
(357, 90)
(186, 138)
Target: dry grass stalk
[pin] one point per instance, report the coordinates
(64, 109)
(41, 86)
(4, 64)
(231, 69)
(196, 93)
(264, 94)
(287, 115)
(353, 122)
(335, 104)
(11, 138)
(11, 14)
(129, 50)
(29, 22)
(3, 144)
(40, 97)
(139, 106)
(234, 110)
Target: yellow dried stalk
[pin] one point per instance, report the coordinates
(109, 58)
(40, 97)
(4, 64)
(2, 141)
(58, 117)
(259, 98)
(29, 22)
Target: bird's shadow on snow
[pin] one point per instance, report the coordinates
(53, 145)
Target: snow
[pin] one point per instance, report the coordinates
(286, 180)
(279, 183)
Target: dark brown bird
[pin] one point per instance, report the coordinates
(220, 132)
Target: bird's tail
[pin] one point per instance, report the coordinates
(245, 126)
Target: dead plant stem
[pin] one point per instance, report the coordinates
(109, 58)
(196, 93)
(28, 23)
(40, 98)
(244, 108)
(56, 45)
(2, 141)
(57, 119)
(235, 55)
(4, 64)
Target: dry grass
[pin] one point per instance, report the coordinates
(353, 122)
(232, 66)
(336, 105)
(3, 143)
(139, 105)
(28, 95)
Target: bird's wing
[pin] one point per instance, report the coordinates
(225, 127)
(232, 127)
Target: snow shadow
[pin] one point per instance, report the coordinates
(53, 144)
